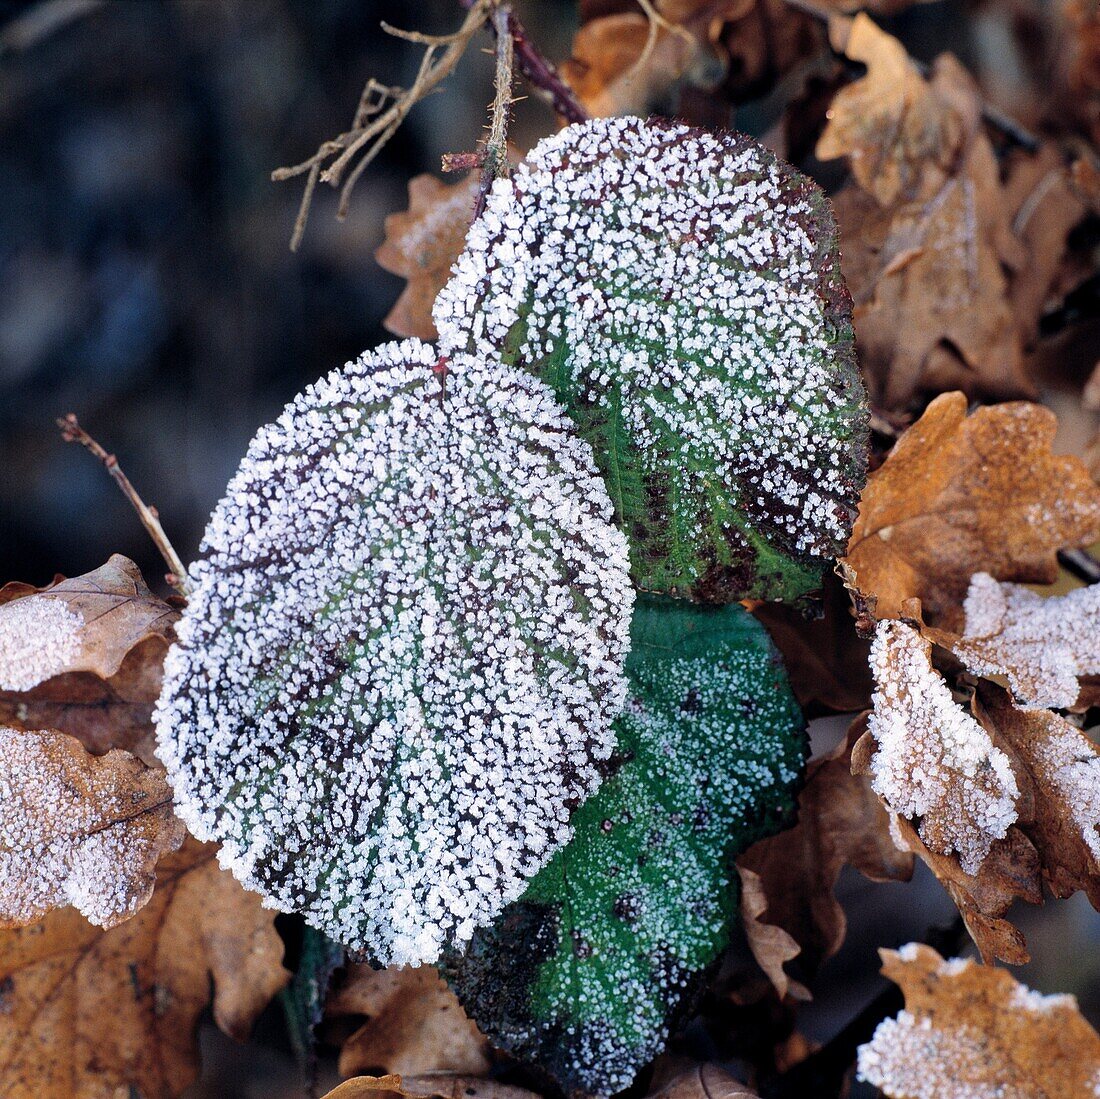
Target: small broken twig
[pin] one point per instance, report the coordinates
(378, 117)
(72, 432)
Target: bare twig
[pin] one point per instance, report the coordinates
(72, 432)
(379, 115)
(993, 116)
(1080, 563)
(496, 143)
(656, 23)
(539, 72)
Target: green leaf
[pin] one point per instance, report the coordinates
(588, 971)
(680, 291)
(400, 665)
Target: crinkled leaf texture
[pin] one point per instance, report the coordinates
(680, 292)
(400, 666)
(587, 973)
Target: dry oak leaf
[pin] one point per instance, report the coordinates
(972, 1030)
(771, 946)
(1009, 872)
(704, 1081)
(927, 227)
(933, 762)
(86, 624)
(78, 829)
(964, 494)
(1062, 766)
(431, 1086)
(840, 822)
(901, 134)
(85, 656)
(421, 244)
(97, 1014)
(416, 1024)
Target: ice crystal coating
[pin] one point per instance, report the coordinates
(1040, 644)
(589, 970)
(681, 293)
(78, 829)
(934, 761)
(39, 635)
(404, 652)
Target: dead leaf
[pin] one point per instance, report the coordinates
(421, 244)
(900, 134)
(840, 822)
(972, 1029)
(771, 946)
(825, 658)
(1063, 766)
(432, 1086)
(933, 762)
(964, 494)
(704, 1081)
(1042, 645)
(416, 1024)
(98, 1013)
(78, 829)
(91, 667)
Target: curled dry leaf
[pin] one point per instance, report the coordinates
(421, 244)
(102, 692)
(78, 829)
(969, 1029)
(771, 946)
(928, 229)
(432, 1086)
(91, 1012)
(840, 822)
(704, 1081)
(1042, 645)
(933, 761)
(416, 1024)
(964, 494)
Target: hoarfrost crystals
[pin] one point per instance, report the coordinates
(1041, 644)
(933, 760)
(39, 635)
(404, 652)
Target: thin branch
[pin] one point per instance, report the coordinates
(496, 144)
(993, 116)
(1080, 563)
(72, 432)
(378, 116)
(656, 23)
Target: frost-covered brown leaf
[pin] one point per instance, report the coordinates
(969, 1029)
(963, 494)
(78, 829)
(99, 1013)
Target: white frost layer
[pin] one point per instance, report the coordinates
(677, 269)
(39, 636)
(1040, 644)
(404, 652)
(933, 760)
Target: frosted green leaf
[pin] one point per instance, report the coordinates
(399, 668)
(680, 291)
(587, 972)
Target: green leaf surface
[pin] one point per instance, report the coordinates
(680, 291)
(588, 971)
(303, 999)
(399, 668)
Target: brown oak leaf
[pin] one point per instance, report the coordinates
(928, 229)
(431, 1086)
(964, 494)
(771, 946)
(840, 822)
(84, 656)
(421, 244)
(78, 829)
(972, 1029)
(704, 1081)
(100, 1013)
(416, 1024)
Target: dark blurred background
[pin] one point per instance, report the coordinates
(147, 286)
